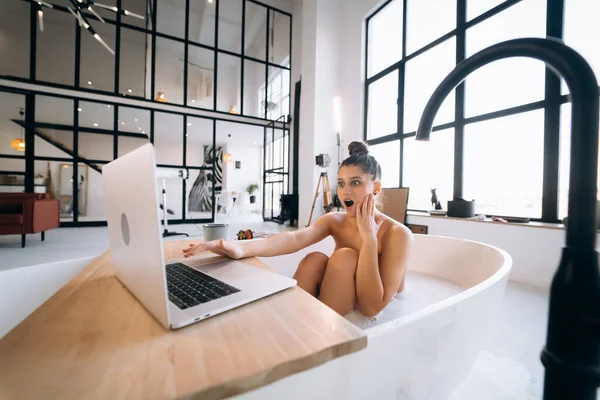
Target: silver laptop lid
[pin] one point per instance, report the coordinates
(134, 228)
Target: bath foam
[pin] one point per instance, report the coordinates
(420, 291)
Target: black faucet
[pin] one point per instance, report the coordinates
(571, 356)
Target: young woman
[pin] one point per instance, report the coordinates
(368, 265)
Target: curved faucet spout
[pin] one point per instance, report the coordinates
(572, 352)
(582, 83)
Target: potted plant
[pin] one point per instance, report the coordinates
(253, 187)
(39, 179)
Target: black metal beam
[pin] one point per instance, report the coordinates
(32, 41)
(118, 48)
(75, 161)
(243, 52)
(459, 109)
(186, 52)
(153, 57)
(216, 57)
(554, 29)
(29, 142)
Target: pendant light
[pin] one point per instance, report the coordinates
(19, 143)
(228, 157)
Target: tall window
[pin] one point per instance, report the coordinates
(496, 121)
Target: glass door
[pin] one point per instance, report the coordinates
(276, 171)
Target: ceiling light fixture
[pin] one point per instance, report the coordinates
(19, 143)
(228, 157)
(161, 97)
(79, 7)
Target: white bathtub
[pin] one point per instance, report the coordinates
(416, 349)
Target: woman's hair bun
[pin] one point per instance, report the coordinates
(358, 147)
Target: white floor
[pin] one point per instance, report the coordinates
(508, 368)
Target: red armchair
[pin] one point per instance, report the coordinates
(27, 213)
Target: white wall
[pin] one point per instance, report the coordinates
(239, 179)
(320, 68)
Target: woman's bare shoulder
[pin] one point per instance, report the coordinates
(396, 230)
(333, 217)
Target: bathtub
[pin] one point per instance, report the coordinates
(426, 341)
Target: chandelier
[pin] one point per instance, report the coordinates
(79, 7)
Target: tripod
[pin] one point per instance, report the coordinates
(165, 210)
(327, 202)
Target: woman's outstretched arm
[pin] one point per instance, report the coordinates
(281, 243)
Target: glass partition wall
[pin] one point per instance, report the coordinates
(219, 59)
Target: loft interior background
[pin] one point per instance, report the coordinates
(228, 56)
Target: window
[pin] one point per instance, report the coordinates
(564, 163)
(423, 75)
(388, 157)
(503, 165)
(278, 94)
(382, 118)
(429, 165)
(14, 31)
(385, 38)
(502, 126)
(509, 82)
(582, 31)
(420, 30)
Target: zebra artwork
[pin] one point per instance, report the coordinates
(200, 197)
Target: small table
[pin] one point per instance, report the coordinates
(93, 339)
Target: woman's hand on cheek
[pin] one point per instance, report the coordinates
(365, 216)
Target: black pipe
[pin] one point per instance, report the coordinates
(572, 352)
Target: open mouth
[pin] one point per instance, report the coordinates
(348, 203)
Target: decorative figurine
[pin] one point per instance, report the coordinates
(434, 200)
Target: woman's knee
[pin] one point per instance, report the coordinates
(313, 263)
(344, 258)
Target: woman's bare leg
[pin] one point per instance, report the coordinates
(310, 272)
(338, 289)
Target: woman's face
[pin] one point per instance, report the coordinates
(353, 186)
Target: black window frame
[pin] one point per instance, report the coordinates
(120, 22)
(553, 99)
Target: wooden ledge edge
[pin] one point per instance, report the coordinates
(284, 370)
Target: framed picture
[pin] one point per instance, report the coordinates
(238, 164)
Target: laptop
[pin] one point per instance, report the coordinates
(176, 294)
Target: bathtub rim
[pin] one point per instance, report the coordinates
(495, 278)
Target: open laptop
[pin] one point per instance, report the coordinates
(176, 294)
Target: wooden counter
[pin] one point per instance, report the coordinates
(93, 339)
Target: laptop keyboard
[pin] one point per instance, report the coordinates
(189, 287)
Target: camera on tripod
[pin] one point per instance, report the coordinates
(323, 160)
